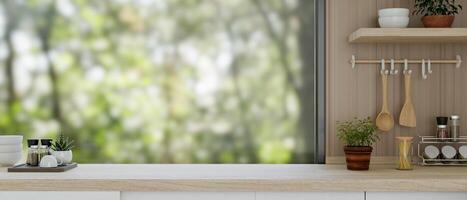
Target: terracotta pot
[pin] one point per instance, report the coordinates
(358, 158)
(438, 21)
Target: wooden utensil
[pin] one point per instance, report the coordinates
(385, 120)
(407, 116)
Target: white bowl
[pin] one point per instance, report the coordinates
(393, 22)
(8, 148)
(11, 139)
(390, 12)
(10, 159)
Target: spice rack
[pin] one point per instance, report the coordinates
(439, 143)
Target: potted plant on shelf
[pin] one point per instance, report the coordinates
(358, 136)
(62, 149)
(437, 13)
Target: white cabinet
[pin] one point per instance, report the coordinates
(416, 195)
(20, 195)
(243, 196)
(310, 196)
(188, 196)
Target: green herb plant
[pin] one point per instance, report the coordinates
(357, 132)
(436, 7)
(62, 143)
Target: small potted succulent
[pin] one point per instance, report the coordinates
(358, 136)
(437, 13)
(61, 149)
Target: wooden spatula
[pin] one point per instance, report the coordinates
(408, 117)
(385, 120)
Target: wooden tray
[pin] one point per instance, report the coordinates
(26, 168)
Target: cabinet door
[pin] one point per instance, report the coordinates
(310, 196)
(416, 195)
(20, 195)
(188, 196)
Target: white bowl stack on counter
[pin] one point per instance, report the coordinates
(11, 149)
(393, 17)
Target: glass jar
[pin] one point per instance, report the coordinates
(442, 133)
(44, 148)
(404, 145)
(455, 128)
(41, 152)
(47, 143)
(33, 153)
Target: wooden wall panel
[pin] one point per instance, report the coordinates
(357, 92)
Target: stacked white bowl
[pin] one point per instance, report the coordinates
(11, 149)
(393, 17)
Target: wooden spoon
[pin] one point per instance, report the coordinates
(408, 117)
(385, 121)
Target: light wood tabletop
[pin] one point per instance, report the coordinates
(226, 177)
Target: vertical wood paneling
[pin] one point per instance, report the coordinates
(357, 93)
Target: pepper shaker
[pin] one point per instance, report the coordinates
(33, 154)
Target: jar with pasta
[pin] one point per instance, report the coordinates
(404, 146)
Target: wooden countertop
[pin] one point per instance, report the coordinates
(110, 177)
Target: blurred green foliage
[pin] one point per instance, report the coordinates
(156, 81)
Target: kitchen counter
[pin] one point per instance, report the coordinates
(238, 178)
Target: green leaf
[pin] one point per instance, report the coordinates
(62, 143)
(358, 132)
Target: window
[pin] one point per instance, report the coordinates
(166, 81)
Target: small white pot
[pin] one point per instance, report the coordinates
(63, 157)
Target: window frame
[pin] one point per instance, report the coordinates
(320, 82)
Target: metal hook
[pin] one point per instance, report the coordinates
(424, 76)
(406, 67)
(352, 61)
(459, 61)
(429, 67)
(393, 71)
(383, 70)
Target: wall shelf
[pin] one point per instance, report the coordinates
(409, 35)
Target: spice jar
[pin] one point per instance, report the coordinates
(47, 143)
(44, 149)
(442, 133)
(455, 128)
(405, 153)
(33, 153)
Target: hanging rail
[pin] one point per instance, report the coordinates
(457, 61)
